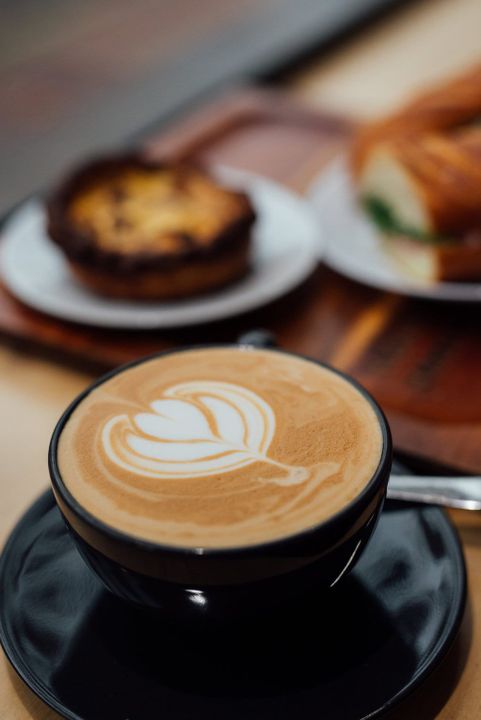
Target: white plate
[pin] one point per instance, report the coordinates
(354, 248)
(287, 244)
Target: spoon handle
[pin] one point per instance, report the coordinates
(454, 492)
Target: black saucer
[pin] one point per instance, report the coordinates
(351, 655)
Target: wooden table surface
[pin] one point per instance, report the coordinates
(368, 75)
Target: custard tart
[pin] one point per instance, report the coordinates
(131, 227)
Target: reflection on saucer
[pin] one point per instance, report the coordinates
(89, 655)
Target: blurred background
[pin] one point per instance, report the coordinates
(77, 76)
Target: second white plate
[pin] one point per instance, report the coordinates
(354, 247)
(287, 244)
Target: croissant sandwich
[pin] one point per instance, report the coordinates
(419, 178)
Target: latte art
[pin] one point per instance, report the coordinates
(219, 447)
(196, 429)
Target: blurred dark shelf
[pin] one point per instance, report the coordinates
(77, 78)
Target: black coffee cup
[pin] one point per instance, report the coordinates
(191, 583)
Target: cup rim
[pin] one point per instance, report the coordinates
(150, 546)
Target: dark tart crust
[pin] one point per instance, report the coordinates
(138, 228)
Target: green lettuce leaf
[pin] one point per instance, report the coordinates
(383, 217)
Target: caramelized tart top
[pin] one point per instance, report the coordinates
(129, 212)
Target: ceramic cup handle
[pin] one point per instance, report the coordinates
(259, 338)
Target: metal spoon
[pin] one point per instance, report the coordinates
(454, 492)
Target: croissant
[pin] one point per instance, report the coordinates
(419, 175)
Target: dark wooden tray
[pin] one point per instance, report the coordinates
(418, 358)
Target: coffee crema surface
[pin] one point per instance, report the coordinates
(219, 447)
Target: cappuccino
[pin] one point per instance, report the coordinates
(219, 447)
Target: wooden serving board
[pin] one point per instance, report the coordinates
(420, 359)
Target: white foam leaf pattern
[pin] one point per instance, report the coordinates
(197, 429)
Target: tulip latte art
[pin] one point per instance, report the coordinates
(197, 429)
(219, 447)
